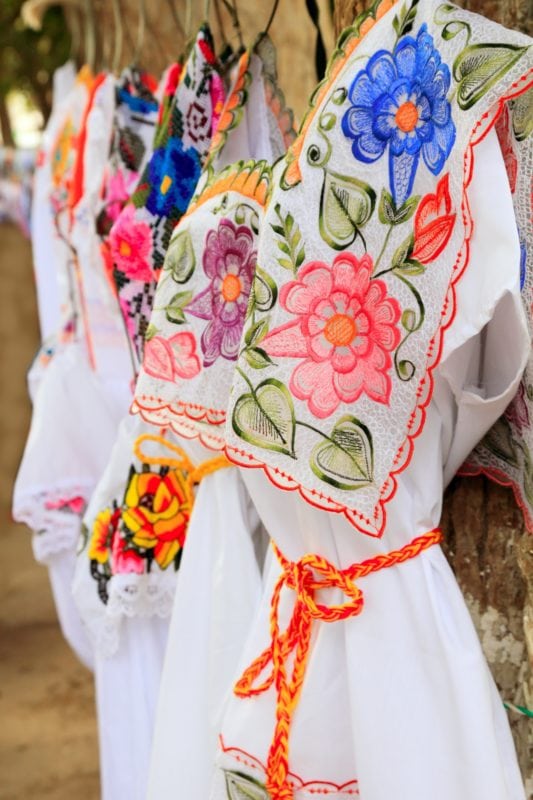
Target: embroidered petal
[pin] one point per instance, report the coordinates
(313, 382)
(287, 340)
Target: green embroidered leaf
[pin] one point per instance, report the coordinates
(180, 260)
(290, 243)
(257, 358)
(242, 787)
(174, 309)
(390, 215)
(346, 205)
(256, 333)
(523, 115)
(151, 331)
(403, 22)
(265, 417)
(479, 67)
(402, 253)
(500, 441)
(327, 121)
(409, 320)
(346, 461)
(264, 292)
(410, 267)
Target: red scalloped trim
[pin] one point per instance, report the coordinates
(167, 411)
(376, 526)
(311, 787)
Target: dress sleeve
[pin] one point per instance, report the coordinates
(487, 346)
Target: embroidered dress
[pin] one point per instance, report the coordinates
(134, 248)
(139, 237)
(58, 471)
(396, 337)
(134, 526)
(185, 384)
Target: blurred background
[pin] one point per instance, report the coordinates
(48, 743)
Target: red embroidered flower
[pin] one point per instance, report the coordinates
(433, 223)
(345, 329)
(156, 513)
(171, 359)
(130, 242)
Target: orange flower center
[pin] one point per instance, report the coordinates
(407, 117)
(125, 249)
(166, 183)
(340, 330)
(231, 288)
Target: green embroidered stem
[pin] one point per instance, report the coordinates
(406, 369)
(382, 251)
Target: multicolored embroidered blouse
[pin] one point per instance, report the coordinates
(365, 236)
(203, 295)
(140, 236)
(191, 347)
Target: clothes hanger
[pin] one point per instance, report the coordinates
(119, 36)
(231, 8)
(90, 35)
(141, 30)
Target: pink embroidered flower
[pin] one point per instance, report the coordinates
(172, 359)
(345, 329)
(433, 223)
(229, 261)
(125, 559)
(131, 245)
(117, 193)
(74, 504)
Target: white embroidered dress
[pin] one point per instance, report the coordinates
(399, 701)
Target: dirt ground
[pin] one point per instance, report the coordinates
(48, 745)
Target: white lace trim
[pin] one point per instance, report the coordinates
(130, 595)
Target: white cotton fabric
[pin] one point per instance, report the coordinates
(49, 252)
(399, 701)
(216, 599)
(75, 414)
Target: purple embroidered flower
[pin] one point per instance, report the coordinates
(399, 101)
(229, 261)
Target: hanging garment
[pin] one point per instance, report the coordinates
(95, 583)
(66, 89)
(58, 468)
(185, 384)
(394, 336)
(138, 514)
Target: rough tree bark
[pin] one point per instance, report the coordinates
(486, 545)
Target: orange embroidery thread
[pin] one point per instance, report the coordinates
(195, 472)
(300, 577)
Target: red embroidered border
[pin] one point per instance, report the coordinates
(311, 787)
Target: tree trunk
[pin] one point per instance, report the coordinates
(8, 140)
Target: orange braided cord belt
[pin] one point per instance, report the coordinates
(195, 472)
(305, 577)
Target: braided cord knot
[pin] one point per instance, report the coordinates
(305, 577)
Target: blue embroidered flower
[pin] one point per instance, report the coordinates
(173, 175)
(399, 101)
